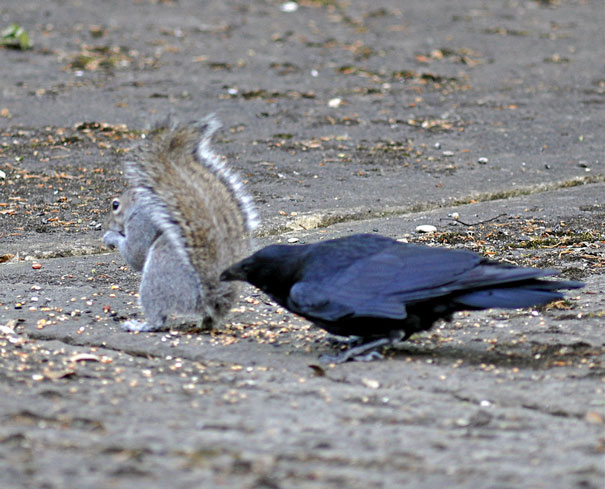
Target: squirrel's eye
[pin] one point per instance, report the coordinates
(115, 204)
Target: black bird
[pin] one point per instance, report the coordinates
(381, 291)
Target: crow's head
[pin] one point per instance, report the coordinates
(273, 269)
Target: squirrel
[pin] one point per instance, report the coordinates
(183, 219)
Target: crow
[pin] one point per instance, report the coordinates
(380, 291)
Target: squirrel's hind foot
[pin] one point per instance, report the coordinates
(133, 325)
(201, 325)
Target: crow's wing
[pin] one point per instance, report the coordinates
(312, 300)
(379, 285)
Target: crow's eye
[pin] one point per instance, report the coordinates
(115, 204)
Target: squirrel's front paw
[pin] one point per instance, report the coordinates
(112, 239)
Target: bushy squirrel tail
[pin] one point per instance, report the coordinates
(198, 202)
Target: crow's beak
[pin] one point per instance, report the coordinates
(234, 272)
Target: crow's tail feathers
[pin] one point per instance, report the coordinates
(531, 293)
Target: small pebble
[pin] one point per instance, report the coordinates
(437, 145)
(426, 228)
(483, 160)
(334, 103)
(289, 7)
(448, 153)
(371, 383)
(293, 240)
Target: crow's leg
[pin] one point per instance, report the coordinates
(362, 353)
(365, 352)
(340, 341)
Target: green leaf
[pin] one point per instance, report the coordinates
(15, 36)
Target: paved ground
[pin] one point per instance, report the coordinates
(343, 116)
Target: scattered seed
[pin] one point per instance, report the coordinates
(84, 357)
(594, 417)
(317, 370)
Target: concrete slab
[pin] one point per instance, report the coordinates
(343, 117)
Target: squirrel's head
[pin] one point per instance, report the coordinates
(117, 211)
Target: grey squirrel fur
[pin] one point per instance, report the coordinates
(184, 218)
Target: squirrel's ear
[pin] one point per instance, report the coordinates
(115, 204)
